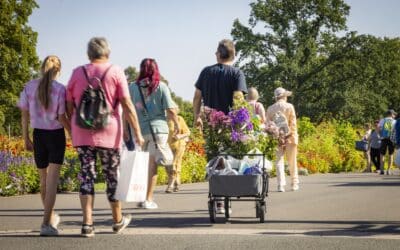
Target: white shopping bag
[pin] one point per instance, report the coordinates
(258, 160)
(133, 176)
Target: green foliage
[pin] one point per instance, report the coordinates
(185, 108)
(19, 179)
(68, 181)
(296, 42)
(330, 148)
(193, 169)
(305, 127)
(131, 74)
(18, 58)
(326, 147)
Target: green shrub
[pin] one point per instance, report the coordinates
(305, 127)
(193, 169)
(328, 147)
(19, 179)
(68, 181)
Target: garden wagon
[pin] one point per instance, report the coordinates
(228, 188)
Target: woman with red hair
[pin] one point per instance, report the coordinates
(153, 103)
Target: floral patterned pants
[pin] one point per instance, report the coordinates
(110, 161)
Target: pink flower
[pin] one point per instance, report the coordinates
(272, 129)
(216, 118)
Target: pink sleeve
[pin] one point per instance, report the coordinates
(23, 100)
(70, 87)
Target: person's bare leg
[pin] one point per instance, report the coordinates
(178, 165)
(390, 161)
(382, 160)
(171, 178)
(116, 209)
(43, 177)
(152, 181)
(53, 173)
(87, 202)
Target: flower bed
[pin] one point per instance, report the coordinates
(327, 147)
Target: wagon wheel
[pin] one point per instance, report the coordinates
(258, 209)
(261, 211)
(211, 211)
(227, 207)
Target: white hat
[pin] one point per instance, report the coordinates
(279, 92)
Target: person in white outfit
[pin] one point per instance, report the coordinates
(283, 115)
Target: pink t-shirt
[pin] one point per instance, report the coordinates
(40, 117)
(116, 88)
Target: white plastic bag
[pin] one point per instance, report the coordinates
(397, 158)
(257, 160)
(219, 166)
(133, 176)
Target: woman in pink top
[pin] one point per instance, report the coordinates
(42, 103)
(105, 142)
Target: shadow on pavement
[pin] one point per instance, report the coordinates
(358, 231)
(369, 184)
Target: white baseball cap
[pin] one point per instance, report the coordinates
(279, 92)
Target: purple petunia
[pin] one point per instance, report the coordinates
(235, 136)
(239, 116)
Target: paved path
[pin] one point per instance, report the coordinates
(332, 211)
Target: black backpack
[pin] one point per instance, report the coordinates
(93, 112)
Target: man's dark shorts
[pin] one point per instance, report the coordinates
(387, 144)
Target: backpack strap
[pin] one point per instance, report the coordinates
(101, 78)
(147, 113)
(101, 81)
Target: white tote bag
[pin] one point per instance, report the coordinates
(133, 176)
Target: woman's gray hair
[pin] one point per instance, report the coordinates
(98, 48)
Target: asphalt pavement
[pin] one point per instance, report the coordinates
(330, 211)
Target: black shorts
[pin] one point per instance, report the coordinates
(387, 144)
(48, 147)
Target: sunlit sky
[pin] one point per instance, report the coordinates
(181, 35)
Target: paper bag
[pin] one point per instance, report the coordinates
(133, 176)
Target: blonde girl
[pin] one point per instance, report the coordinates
(42, 104)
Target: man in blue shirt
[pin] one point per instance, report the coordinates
(218, 83)
(216, 86)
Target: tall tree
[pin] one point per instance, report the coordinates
(295, 44)
(131, 74)
(291, 41)
(18, 58)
